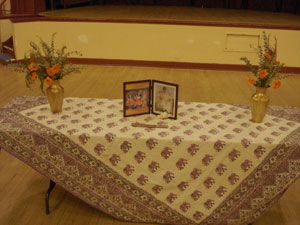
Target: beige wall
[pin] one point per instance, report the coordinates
(154, 42)
(6, 29)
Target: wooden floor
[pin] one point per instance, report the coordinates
(22, 189)
(178, 14)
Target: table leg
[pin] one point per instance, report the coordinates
(51, 186)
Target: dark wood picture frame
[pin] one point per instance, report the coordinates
(137, 97)
(164, 98)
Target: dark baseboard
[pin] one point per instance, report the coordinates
(168, 64)
(19, 17)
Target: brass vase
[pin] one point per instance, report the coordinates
(259, 104)
(55, 94)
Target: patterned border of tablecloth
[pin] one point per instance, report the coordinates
(57, 157)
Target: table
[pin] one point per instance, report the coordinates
(210, 166)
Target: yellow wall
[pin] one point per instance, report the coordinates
(155, 42)
(6, 29)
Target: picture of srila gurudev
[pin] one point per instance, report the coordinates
(164, 100)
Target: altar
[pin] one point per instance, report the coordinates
(212, 165)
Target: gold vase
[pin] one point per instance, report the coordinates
(259, 104)
(55, 94)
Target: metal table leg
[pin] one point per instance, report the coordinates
(51, 186)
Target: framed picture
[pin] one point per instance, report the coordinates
(164, 98)
(137, 97)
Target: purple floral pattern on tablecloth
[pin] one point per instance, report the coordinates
(162, 173)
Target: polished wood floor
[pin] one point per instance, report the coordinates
(22, 189)
(177, 14)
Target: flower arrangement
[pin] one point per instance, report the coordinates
(45, 63)
(268, 71)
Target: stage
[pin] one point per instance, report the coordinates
(178, 15)
(163, 36)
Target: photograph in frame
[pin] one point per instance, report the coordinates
(164, 98)
(137, 97)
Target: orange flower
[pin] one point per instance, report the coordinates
(267, 54)
(50, 72)
(276, 62)
(276, 84)
(251, 81)
(33, 75)
(48, 81)
(33, 67)
(56, 68)
(263, 73)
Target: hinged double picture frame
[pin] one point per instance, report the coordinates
(150, 96)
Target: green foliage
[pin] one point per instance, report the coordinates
(43, 58)
(269, 67)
